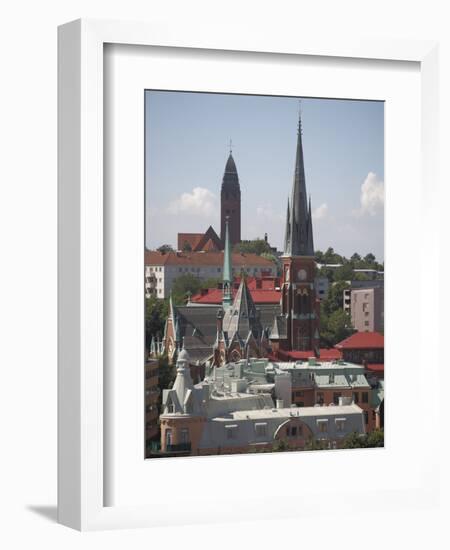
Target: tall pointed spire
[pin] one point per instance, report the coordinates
(227, 298)
(230, 202)
(298, 236)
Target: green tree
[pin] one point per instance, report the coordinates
(330, 257)
(375, 438)
(344, 273)
(155, 318)
(369, 258)
(334, 327)
(335, 297)
(165, 248)
(255, 246)
(212, 282)
(354, 441)
(280, 445)
(319, 256)
(183, 286)
(314, 445)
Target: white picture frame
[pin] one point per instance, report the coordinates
(82, 483)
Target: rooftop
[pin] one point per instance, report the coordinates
(324, 355)
(330, 410)
(214, 259)
(362, 340)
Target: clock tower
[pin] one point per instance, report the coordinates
(300, 308)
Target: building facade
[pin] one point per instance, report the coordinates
(163, 268)
(364, 302)
(229, 413)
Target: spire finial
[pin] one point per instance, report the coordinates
(300, 117)
(231, 146)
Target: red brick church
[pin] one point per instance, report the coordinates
(237, 327)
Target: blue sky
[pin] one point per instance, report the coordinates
(187, 145)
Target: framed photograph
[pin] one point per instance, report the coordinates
(226, 213)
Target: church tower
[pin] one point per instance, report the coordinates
(230, 203)
(299, 304)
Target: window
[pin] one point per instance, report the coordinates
(355, 397)
(171, 408)
(366, 417)
(365, 397)
(340, 424)
(184, 435)
(319, 398)
(294, 431)
(322, 425)
(168, 438)
(336, 396)
(261, 429)
(231, 431)
(366, 323)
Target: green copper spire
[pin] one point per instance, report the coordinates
(227, 298)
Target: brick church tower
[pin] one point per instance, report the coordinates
(230, 203)
(299, 305)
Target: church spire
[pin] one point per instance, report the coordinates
(298, 236)
(227, 298)
(230, 202)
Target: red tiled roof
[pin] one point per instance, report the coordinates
(190, 238)
(325, 355)
(214, 259)
(214, 296)
(376, 367)
(362, 340)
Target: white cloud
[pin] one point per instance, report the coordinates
(266, 212)
(320, 212)
(372, 196)
(200, 202)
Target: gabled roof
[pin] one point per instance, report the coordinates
(209, 241)
(279, 328)
(242, 316)
(362, 340)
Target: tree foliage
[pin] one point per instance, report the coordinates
(255, 246)
(357, 441)
(315, 445)
(155, 318)
(345, 271)
(165, 248)
(184, 286)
